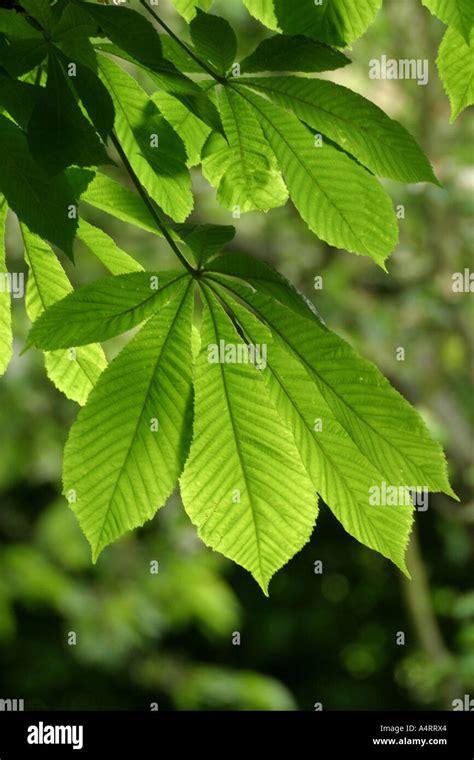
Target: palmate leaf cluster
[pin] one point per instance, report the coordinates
(252, 445)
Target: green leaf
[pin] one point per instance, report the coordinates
(458, 14)
(264, 278)
(103, 309)
(338, 199)
(139, 126)
(336, 22)
(43, 203)
(18, 99)
(243, 485)
(115, 199)
(192, 130)
(173, 52)
(95, 98)
(23, 55)
(214, 40)
(6, 338)
(106, 249)
(74, 371)
(73, 21)
(243, 169)
(58, 133)
(381, 423)
(188, 8)
(357, 125)
(204, 240)
(39, 10)
(169, 79)
(130, 31)
(78, 49)
(117, 480)
(456, 69)
(16, 27)
(342, 476)
(297, 53)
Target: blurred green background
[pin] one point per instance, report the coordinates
(328, 638)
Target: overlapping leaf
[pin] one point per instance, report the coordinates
(357, 125)
(244, 485)
(458, 14)
(155, 151)
(244, 168)
(343, 477)
(74, 371)
(58, 133)
(214, 40)
(384, 427)
(45, 204)
(340, 201)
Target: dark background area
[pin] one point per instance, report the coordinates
(328, 638)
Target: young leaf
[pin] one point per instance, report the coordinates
(58, 133)
(214, 40)
(243, 485)
(336, 22)
(142, 406)
(43, 203)
(106, 249)
(156, 153)
(192, 130)
(357, 125)
(458, 14)
(456, 69)
(342, 476)
(382, 424)
(6, 338)
(297, 53)
(243, 168)
(74, 371)
(103, 309)
(338, 199)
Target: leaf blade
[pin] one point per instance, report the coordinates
(357, 125)
(73, 373)
(275, 515)
(114, 476)
(338, 199)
